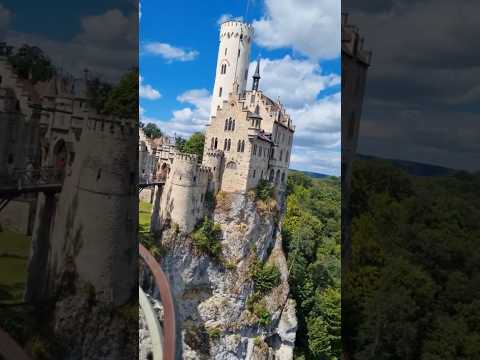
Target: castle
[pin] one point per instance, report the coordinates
(92, 219)
(249, 139)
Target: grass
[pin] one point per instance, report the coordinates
(14, 252)
(144, 216)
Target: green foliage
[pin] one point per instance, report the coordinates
(413, 281)
(265, 277)
(180, 143)
(213, 333)
(194, 145)
(264, 190)
(122, 101)
(98, 92)
(311, 235)
(31, 61)
(207, 237)
(152, 131)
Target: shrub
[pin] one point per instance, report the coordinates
(263, 315)
(265, 276)
(207, 238)
(213, 333)
(264, 191)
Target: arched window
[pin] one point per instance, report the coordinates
(239, 145)
(229, 144)
(272, 155)
(230, 124)
(283, 178)
(261, 176)
(277, 177)
(212, 145)
(254, 173)
(243, 145)
(225, 145)
(272, 175)
(226, 124)
(255, 149)
(216, 143)
(233, 125)
(220, 92)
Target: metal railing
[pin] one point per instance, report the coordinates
(33, 180)
(161, 281)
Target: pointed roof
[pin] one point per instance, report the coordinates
(257, 70)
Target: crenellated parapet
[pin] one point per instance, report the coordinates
(352, 42)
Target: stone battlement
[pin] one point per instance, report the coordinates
(111, 125)
(352, 42)
(204, 169)
(235, 28)
(215, 153)
(186, 157)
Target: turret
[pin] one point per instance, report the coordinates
(232, 62)
(256, 77)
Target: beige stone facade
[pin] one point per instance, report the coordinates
(249, 138)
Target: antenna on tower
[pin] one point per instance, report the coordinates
(246, 10)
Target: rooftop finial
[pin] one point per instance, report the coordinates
(256, 76)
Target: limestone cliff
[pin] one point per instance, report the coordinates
(212, 296)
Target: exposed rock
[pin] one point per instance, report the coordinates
(211, 295)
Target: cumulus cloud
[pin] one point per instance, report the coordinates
(169, 52)
(311, 27)
(106, 45)
(146, 91)
(189, 119)
(296, 82)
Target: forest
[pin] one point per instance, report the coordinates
(311, 235)
(412, 290)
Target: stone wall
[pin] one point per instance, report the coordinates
(18, 215)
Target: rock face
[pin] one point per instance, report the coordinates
(211, 295)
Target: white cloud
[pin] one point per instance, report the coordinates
(106, 45)
(169, 52)
(227, 17)
(296, 82)
(146, 91)
(187, 120)
(311, 27)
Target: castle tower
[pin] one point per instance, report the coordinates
(214, 160)
(183, 196)
(95, 230)
(232, 62)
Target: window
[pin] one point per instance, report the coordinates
(243, 146)
(212, 145)
(257, 110)
(224, 69)
(253, 122)
(281, 155)
(220, 92)
(216, 143)
(254, 173)
(255, 149)
(283, 177)
(226, 124)
(229, 144)
(252, 99)
(225, 145)
(239, 145)
(238, 53)
(286, 156)
(246, 74)
(233, 125)
(261, 176)
(230, 124)
(226, 51)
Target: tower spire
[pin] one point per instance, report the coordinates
(256, 76)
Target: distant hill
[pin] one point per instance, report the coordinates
(312, 174)
(415, 168)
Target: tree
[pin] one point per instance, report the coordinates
(194, 145)
(98, 92)
(122, 101)
(152, 131)
(30, 60)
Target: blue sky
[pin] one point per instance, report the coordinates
(298, 42)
